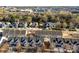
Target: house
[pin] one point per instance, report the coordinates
(13, 10)
(26, 10)
(39, 10)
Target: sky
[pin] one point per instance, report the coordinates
(39, 2)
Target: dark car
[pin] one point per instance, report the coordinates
(21, 25)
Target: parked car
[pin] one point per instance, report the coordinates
(21, 25)
(34, 24)
(23, 41)
(50, 25)
(2, 25)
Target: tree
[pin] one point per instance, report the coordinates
(44, 18)
(77, 19)
(29, 19)
(64, 25)
(51, 18)
(12, 19)
(58, 26)
(65, 16)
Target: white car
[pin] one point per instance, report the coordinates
(2, 38)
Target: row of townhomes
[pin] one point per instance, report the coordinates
(39, 29)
